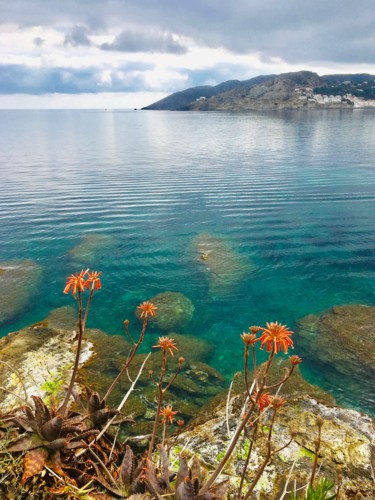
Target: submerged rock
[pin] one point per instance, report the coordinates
(89, 249)
(19, 280)
(223, 266)
(339, 345)
(174, 311)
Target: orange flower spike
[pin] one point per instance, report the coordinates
(264, 401)
(254, 329)
(168, 414)
(93, 280)
(76, 282)
(295, 360)
(277, 402)
(147, 308)
(249, 338)
(166, 344)
(276, 336)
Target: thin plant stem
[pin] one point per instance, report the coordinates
(126, 325)
(285, 490)
(227, 406)
(317, 447)
(287, 376)
(265, 461)
(76, 361)
(246, 369)
(2, 389)
(255, 368)
(87, 309)
(239, 429)
(251, 439)
(160, 402)
(128, 361)
(119, 408)
(109, 475)
(19, 378)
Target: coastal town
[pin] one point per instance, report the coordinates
(307, 95)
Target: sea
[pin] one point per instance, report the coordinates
(254, 217)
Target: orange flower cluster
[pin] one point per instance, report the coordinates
(168, 414)
(166, 344)
(264, 401)
(276, 336)
(146, 308)
(79, 282)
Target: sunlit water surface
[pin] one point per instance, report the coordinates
(292, 193)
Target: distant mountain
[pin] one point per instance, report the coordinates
(288, 90)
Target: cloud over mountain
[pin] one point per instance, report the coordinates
(177, 44)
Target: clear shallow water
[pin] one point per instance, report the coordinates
(292, 192)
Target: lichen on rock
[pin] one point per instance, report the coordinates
(347, 441)
(37, 360)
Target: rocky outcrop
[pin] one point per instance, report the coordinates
(339, 346)
(37, 360)
(19, 280)
(347, 445)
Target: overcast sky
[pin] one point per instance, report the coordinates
(129, 53)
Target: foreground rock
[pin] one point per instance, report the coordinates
(347, 445)
(19, 280)
(339, 345)
(37, 361)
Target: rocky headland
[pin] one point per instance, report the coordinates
(299, 90)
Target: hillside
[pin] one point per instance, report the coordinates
(286, 91)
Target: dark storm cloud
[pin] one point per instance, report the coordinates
(77, 36)
(296, 31)
(16, 79)
(132, 40)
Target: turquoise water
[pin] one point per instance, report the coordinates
(292, 194)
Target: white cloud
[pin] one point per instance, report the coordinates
(159, 47)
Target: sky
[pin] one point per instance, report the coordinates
(130, 53)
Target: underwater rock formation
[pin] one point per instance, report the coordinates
(174, 312)
(223, 267)
(88, 250)
(339, 345)
(19, 280)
